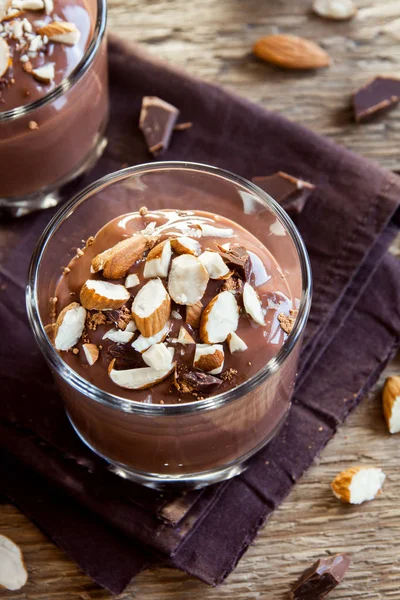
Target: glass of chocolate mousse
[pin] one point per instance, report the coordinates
(169, 301)
(53, 97)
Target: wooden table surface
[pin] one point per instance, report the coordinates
(213, 39)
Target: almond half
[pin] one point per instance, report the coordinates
(211, 231)
(4, 57)
(391, 404)
(187, 280)
(209, 359)
(338, 10)
(142, 343)
(252, 304)
(158, 260)
(184, 337)
(132, 280)
(186, 245)
(193, 315)
(116, 261)
(151, 308)
(235, 343)
(219, 318)
(119, 336)
(214, 264)
(91, 352)
(102, 295)
(139, 379)
(4, 6)
(358, 484)
(159, 357)
(13, 574)
(44, 74)
(291, 52)
(69, 326)
(61, 32)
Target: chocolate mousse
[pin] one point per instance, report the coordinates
(170, 307)
(41, 43)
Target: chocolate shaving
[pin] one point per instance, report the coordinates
(291, 193)
(125, 356)
(320, 579)
(375, 97)
(157, 122)
(237, 258)
(200, 382)
(287, 321)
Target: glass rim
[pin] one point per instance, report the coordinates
(75, 75)
(132, 406)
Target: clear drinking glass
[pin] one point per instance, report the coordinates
(190, 444)
(72, 120)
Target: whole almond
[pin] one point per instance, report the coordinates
(291, 52)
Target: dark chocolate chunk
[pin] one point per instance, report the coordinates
(376, 96)
(199, 381)
(237, 258)
(320, 579)
(157, 121)
(125, 356)
(291, 193)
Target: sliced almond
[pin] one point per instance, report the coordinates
(235, 343)
(184, 337)
(176, 315)
(158, 260)
(291, 52)
(159, 357)
(214, 264)
(91, 352)
(69, 326)
(142, 343)
(31, 4)
(139, 379)
(151, 308)
(13, 574)
(219, 318)
(358, 484)
(116, 261)
(209, 359)
(60, 32)
(44, 74)
(4, 57)
(187, 280)
(211, 231)
(119, 336)
(391, 404)
(252, 304)
(102, 295)
(132, 280)
(193, 315)
(4, 6)
(338, 10)
(186, 245)
(131, 326)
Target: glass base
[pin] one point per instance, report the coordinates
(177, 481)
(51, 195)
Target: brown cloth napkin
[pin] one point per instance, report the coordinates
(113, 528)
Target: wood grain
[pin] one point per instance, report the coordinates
(213, 40)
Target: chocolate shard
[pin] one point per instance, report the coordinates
(199, 381)
(126, 357)
(157, 121)
(290, 192)
(237, 258)
(320, 579)
(375, 97)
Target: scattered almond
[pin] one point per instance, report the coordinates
(12, 13)
(252, 304)
(187, 280)
(69, 326)
(91, 352)
(132, 280)
(4, 57)
(158, 260)
(119, 336)
(60, 32)
(13, 574)
(391, 404)
(209, 359)
(4, 6)
(358, 484)
(139, 379)
(116, 261)
(159, 357)
(184, 337)
(193, 315)
(219, 318)
(339, 10)
(151, 308)
(102, 295)
(186, 245)
(291, 52)
(235, 343)
(214, 264)
(44, 74)
(142, 343)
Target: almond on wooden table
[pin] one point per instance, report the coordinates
(13, 574)
(338, 10)
(358, 484)
(291, 52)
(391, 404)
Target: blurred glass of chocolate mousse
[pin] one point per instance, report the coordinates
(170, 307)
(53, 96)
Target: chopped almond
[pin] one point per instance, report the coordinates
(132, 281)
(391, 404)
(116, 261)
(60, 32)
(211, 231)
(193, 315)
(102, 295)
(187, 280)
(159, 357)
(158, 260)
(44, 74)
(13, 574)
(69, 326)
(4, 57)
(219, 318)
(31, 5)
(209, 359)
(186, 245)
(235, 343)
(119, 336)
(4, 7)
(151, 308)
(142, 343)
(184, 337)
(214, 264)
(91, 353)
(139, 379)
(252, 304)
(358, 484)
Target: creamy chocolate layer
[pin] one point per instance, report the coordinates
(213, 233)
